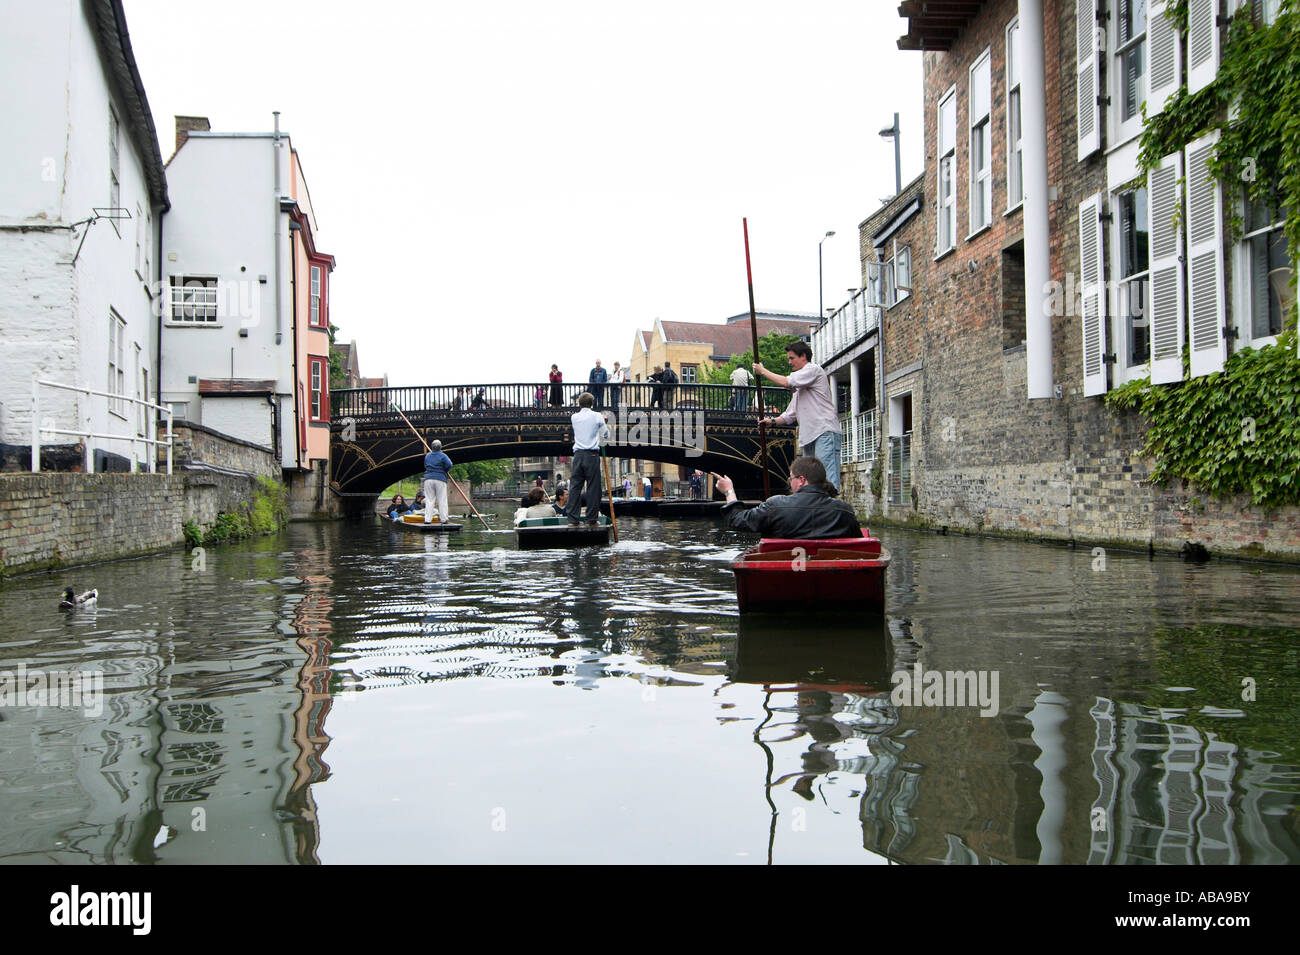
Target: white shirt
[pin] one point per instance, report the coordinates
(812, 404)
(741, 378)
(618, 376)
(645, 481)
(588, 430)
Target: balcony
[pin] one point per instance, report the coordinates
(845, 327)
(858, 438)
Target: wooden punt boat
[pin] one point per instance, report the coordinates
(844, 573)
(415, 522)
(537, 532)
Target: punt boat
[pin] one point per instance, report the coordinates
(415, 522)
(537, 532)
(843, 573)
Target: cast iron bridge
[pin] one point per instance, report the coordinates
(691, 425)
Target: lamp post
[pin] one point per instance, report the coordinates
(821, 308)
(891, 132)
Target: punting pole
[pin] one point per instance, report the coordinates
(449, 477)
(758, 379)
(613, 521)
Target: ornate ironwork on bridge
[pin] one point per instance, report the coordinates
(695, 426)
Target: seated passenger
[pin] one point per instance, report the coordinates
(537, 505)
(809, 512)
(398, 507)
(418, 506)
(561, 502)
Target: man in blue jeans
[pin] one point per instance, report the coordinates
(813, 406)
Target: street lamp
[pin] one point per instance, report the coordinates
(821, 309)
(891, 132)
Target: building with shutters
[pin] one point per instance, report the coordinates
(1054, 269)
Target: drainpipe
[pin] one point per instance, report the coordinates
(1038, 314)
(275, 425)
(275, 155)
(293, 303)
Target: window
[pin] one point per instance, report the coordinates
(116, 363)
(1015, 152)
(896, 276)
(315, 296)
(114, 167)
(1132, 260)
(902, 272)
(690, 374)
(194, 299)
(319, 398)
(947, 185)
(1128, 88)
(981, 172)
(1265, 295)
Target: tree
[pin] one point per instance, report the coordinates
(771, 351)
(482, 472)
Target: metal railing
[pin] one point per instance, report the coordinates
(87, 434)
(859, 437)
(848, 324)
(539, 398)
(900, 470)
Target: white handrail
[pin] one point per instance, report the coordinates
(87, 433)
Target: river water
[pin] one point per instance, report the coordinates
(357, 692)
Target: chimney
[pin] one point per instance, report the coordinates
(189, 124)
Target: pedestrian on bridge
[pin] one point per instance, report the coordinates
(597, 378)
(589, 429)
(437, 472)
(557, 388)
(616, 379)
(741, 381)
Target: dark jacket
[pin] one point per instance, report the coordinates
(809, 514)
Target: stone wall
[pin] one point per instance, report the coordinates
(48, 521)
(195, 444)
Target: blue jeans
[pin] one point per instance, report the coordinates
(742, 399)
(826, 449)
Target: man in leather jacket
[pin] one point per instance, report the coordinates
(809, 512)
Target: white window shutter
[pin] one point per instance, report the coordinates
(1165, 303)
(1088, 67)
(1205, 306)
(1202, 43)
(1091, 239)
(1166, 52)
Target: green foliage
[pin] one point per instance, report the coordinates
(482, 472)
(265, 513)
(1176, 13)
(1259, 149)
(771, 352)
(337, 373)
(878, 475)
(407, 487)
(1232, 432)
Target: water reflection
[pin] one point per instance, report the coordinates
(446, 669)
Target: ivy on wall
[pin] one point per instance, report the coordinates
(1236, 431)
(1231, 432)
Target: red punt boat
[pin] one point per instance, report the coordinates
(842, 573)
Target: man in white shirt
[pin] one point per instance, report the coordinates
(813, 406)
(616, 379)
(589, 429)
(742, 381)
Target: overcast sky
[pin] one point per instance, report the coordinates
(510, 184)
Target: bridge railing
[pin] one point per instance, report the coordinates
(540, 398)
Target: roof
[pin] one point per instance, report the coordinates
(216, 387)
(734, 337)
(109, 26)
(645, 338)
(935, 24)
(374, 382)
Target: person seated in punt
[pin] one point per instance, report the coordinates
(811, 511)
(417, 507)
(538, 506)
(560, 503)
(398, 507)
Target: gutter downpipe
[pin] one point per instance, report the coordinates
(275, 161)
(1038, 315)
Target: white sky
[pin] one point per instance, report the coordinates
(511, 184)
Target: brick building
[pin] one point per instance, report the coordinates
(1048, 268)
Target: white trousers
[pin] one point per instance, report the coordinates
(435, 492)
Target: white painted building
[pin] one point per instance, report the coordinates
(82, 191)
(245, 337)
